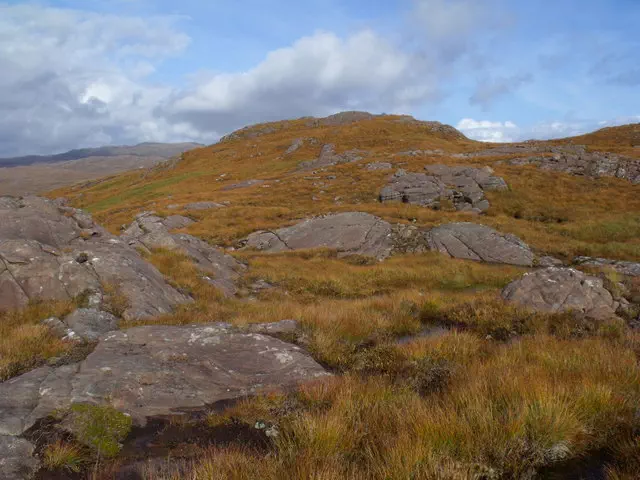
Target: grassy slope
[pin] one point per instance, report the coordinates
(457, 405)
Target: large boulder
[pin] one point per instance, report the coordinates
(560, 290)
(348, 233)
(151, 231)
(158, 370)
(478, 242)
(49, 251)
(463, 186)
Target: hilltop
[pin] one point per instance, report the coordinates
(352, 297)
(40, 173)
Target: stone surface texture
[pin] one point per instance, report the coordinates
(463, 186)
(151, 231)
(562, 289)
(348, 233)
(50, 251)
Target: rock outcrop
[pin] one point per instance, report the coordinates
(572, 159)
(146, 372)
(349, 233)
(630, 269)
(562, 289)
(478, 242)
(328, 158)
(243, 184)
(463, 186)
(49, 251)
(83, 325)
(151, 231)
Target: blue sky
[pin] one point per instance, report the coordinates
(91, 72)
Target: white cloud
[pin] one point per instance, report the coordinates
(487, 131)
(317, 75)
(72, 78)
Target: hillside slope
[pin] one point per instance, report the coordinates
(355, 297)
(37, 174)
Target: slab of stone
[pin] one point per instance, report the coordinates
(461, 185)
(348, 233)
(379, 166)
(90, 324)
(158, 370)
(152, 232)
(203, 206)
(562, 289)
(328, 158)
(471, 241)
(49, 251)
(16, 459)
(630, 269)
(243, 184)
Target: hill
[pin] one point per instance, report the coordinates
(40, 173)
(355, 297)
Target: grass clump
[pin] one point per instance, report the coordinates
(25, 343)
(65, 456)
(100, 428)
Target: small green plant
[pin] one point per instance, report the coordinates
(101, 428)
(64, 456)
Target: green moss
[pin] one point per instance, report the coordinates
(101, 428)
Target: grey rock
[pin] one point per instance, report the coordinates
(379, 166)
(53, 252)
(243, 184)
(89, 324)
(175, 222)
(547, 261)
(203, 206)
(463, 186)
(630, 269)
(481, 243)
(151, 232)
(328, 157)
(559, 290)
(348, 233)
(16, 460)
(572, 159)
(283, 327)
(158, 370)
(297, 143)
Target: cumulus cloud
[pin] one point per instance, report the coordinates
(487, 131)
(319, 74)
(72, 78)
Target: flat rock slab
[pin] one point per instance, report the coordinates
(348, 233)
(158, 370)
(243, 184)
(203, 206)
(560, 290)
(16, 461)
(463, 186)
(328, 158)
(151, 232)
(630, 269)
(478, 242)
(49, 251)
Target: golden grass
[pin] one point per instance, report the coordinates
(24, 343)
(502, 394)
(65, 456)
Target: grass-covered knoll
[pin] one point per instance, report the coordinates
(557, 213)
(435, 376)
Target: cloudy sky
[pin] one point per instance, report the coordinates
(76, 73)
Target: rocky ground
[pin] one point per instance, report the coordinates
(269, 315)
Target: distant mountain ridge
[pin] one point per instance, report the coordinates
(147, 149)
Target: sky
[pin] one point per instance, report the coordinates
(81, 73)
